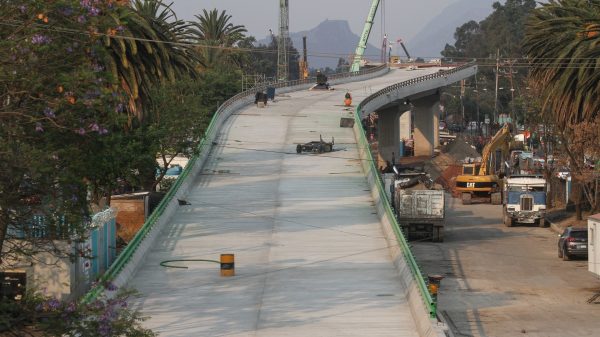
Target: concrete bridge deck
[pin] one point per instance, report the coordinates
(311, 259)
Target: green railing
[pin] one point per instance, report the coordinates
(364, 144)
(126, 255)
(410, 259)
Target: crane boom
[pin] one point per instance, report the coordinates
(364, 38)
(405, 51)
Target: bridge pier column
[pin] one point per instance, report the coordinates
(426, 112)
(388, 127)
(405, 124)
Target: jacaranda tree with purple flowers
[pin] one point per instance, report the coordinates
(57, 115)
(61, 141)
(41, 315)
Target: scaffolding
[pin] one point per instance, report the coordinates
(283, 40)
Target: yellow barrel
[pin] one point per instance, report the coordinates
(227, 265)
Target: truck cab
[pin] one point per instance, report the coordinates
(525, 200)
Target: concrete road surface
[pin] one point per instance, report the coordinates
(311, 259)
(503, 281)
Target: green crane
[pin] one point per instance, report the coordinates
(364, 38)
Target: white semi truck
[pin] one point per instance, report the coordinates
(524, 200)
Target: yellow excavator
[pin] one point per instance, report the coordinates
(478, 181)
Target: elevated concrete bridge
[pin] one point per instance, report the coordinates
(317, 253)
(395, 103)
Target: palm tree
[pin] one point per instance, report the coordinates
(150, 49)
(562, 42)
(215, 33)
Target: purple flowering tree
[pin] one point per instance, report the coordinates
(61, 137)
(57, 114)
(40, 315)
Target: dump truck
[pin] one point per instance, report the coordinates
(419, 210)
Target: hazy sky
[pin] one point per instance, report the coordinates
(403, 18)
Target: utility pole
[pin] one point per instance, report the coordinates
(497, 74)
(384, 49)
(477, 103)
(512, 93)
(462, 96)
(283, 38)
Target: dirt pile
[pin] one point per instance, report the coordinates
(460, 150)
(444, 168)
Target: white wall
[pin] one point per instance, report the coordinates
(594, 246)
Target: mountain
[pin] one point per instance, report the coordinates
(432, 39)
(327, 42)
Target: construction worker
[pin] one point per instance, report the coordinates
(348, 99)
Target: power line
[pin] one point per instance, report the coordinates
(12, 23)
(525, 63)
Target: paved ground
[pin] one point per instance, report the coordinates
(310, 256)
(508, 281)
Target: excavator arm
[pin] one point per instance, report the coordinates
(501, 140)
(364, 38)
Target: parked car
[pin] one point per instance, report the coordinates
(455, 127)
(573, 242)
(442, 125)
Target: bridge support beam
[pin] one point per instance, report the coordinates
(394, 125)
(388, 132)
(405, 124)
(426, 111)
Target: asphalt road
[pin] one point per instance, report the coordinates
(503, 281)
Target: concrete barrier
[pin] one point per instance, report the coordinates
(426, 326)
(421, 305)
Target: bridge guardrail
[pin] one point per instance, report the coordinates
(363, 143)
(141, 242)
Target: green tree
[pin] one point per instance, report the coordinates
(58, 106)
(148, 47)
(562, 43)
(498, 35)
(217, 36)
(502, 30)
(179, 121)
(262, 59)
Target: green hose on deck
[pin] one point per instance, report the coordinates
(164, 263)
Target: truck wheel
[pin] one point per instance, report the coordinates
(466, 198)
(299, 148)
(560, 255)
(508, 221)
(565, 255)
(496, 198)
(440, 237)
